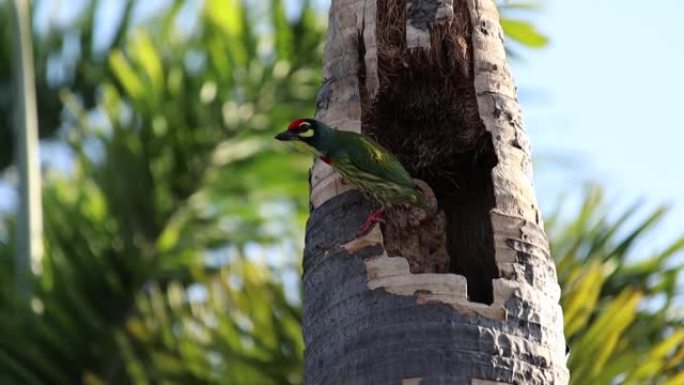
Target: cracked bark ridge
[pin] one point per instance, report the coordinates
(522, 252)
(341, 65)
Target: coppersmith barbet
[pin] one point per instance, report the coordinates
(361, 161)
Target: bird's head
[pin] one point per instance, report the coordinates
(309, 131)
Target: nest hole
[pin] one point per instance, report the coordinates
(425, 112)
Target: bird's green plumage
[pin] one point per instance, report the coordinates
(373, 169)
(360, 160)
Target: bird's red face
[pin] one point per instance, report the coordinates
(297, 130)
(297, 125)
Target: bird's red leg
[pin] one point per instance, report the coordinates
(374, 217)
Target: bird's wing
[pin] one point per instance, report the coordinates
(369, 156)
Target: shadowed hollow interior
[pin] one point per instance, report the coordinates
(426, 113)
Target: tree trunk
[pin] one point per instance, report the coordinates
(467, 296)
(29, 249)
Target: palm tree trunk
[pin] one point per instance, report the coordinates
(470, 295)
(29, 250)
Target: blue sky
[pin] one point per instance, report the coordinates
(602, 101)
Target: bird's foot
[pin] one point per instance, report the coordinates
(374, 217)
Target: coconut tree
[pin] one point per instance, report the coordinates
(468, 295)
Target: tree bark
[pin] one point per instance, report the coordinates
(467, 296)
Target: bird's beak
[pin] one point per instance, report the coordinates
(287, 135)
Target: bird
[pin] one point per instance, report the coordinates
(362, 162)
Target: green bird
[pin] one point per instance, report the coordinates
(361, 161)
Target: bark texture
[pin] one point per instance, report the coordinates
(470, 295)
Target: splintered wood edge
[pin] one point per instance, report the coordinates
(516, 221)
(393, 275)
(498, 109)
